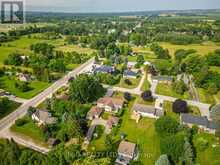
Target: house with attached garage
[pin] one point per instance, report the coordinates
(127, 152)
(129, 74)
(109, 104)
(94, 113)
(43, 117)
(104, 69)
(140, 110)
(163, 79)
(202, 122)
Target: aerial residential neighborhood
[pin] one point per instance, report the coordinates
(129, 85)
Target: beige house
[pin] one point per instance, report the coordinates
(94, 113)
(110, 104)
(43, 117)
(126, 152)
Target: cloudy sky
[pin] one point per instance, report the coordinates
(118, 5)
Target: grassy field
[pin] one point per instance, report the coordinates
(135, 82)
(209, 156)
(30, 130)
(13, 106)
(166, 89)
(76, 48)
(202, 49)
(9, 85)
(205, 97)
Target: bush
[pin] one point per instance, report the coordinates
(20, 122)
(147, 96)
(166, 125)
(128, 82)
(180, 106)
(127, 96)
(202, 144)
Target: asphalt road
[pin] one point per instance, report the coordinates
(6, 122)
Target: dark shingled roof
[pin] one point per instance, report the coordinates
(162, 78)
(105, 69)
(130, 73)
(198, 120)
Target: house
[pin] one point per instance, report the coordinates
(129, 74)
(23, 77)
(104, 69)
(147, 111)
(131, 65)
(127, 152)
(112, 121)
(202, 122)
(94, 113)
(163, 79)
(159, 104)
(43, 117)
(109, 93)
(110, 104)
(215, 113)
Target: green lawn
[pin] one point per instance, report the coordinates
(31, 131)
(205, 96)
(209, 156)
(13, 106)
(146, 85)
(9, 85)
(144, 135)
(166, 89)
(135, 82)
(98, 144)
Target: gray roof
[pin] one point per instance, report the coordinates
(105, 69)
(45, 116)
(144, 108)
(191, 119)
(163, 78)
(198, 120)
(130, 73)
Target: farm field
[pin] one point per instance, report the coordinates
(202, 49)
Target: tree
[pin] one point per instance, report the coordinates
(187, 157)
(172, 146)
(127, 96)
(166, 125)
(23, 86)
(140, 59)
(14, 59)
(180, 106)
(91, 160)
(127, 81)
(179, 87)
(147, 95)
(215, 113)
(163, 160)
(86, 89)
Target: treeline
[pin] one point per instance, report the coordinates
(12, 154)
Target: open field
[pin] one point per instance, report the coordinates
(76, 48)
(202, 49)
(166, 90)
(9, 85)
(13, 106)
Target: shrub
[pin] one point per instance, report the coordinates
(127, 96)
(20, 122)
(180, 106)
(128, 82)
(202, 144)
(147, 96)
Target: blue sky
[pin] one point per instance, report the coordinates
(119, 5)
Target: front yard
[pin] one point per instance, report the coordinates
(134, 83)
(166, 90)
(36, 87)
(30, 131)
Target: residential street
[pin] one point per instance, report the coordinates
(8, 121)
